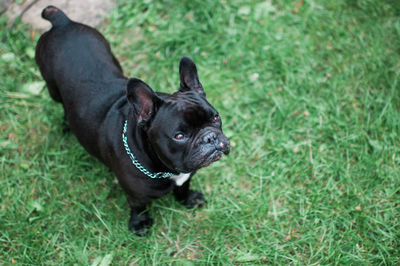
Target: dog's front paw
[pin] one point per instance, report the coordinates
(194, 199)
(140, 224)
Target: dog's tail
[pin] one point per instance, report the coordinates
(55, 16)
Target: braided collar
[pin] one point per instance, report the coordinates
(136, 163)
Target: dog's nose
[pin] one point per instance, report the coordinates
(223, 145)
(219, 141)
(210, 138)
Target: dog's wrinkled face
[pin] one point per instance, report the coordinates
(186, 132)
(183, 129)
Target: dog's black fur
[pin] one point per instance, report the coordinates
(177, 133)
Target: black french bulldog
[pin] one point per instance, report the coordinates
(153, 142)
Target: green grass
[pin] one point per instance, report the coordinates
(309, 99)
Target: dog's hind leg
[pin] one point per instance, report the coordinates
(56, 96)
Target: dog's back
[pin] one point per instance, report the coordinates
(81, 73)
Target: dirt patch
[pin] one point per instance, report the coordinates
(90, 12)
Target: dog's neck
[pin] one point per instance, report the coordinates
(137, 141)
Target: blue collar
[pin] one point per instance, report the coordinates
(136, 163)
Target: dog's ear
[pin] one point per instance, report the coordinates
(189, 77)
(143, 99)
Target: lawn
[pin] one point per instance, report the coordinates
(309, 94)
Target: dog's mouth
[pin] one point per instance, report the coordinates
(208, 159)
(212, 157)
(204, 157)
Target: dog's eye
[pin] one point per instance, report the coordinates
(216, 118)
(179, 136)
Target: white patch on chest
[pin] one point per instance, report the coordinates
(180, 179)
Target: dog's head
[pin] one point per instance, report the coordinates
(184, 130)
